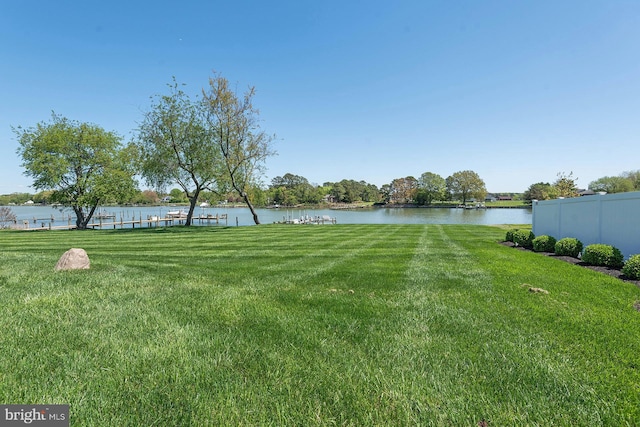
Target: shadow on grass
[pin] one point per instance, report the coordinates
(174, 229)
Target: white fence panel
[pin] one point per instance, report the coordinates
(612, 219)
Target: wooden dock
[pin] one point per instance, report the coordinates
(306, 219)
(150, 221)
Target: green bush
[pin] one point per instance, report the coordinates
(524, 238)
(509, 236)
(606, 255)
(544, 243)
(568, 246)
(631, 268)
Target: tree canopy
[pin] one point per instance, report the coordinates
(634, 177)
(243, 146)
(290, 190)
(212, 143)
(403, 190)
(565, 185)
(351, 191)
(540, 191)
(81, 163)
(465, 185)
(176, 146)
(627, 181)
(612, 184)
(431, 186)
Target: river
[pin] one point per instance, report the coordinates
(41, 216)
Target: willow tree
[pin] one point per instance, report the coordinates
(234, 124)
(176, 147)
(81, 163)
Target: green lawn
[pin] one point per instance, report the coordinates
(507, 204)
(314, 325)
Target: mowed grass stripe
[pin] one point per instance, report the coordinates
(460, 340)
(353, 244)
(343, 326)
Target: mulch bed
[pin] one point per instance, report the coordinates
(613, 272)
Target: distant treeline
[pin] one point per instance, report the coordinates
(293, 190)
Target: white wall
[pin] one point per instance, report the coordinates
(612, 219)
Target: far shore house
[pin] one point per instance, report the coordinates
(586, 193)
(329, 198)
(496, 197)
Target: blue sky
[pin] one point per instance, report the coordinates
(517, 91)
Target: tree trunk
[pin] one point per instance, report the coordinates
(192, 206)
(245, 196)
(81, 219)
(81, 224)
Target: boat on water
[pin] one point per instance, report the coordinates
(103, 214)
(177, 214)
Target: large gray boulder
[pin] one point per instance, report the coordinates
(73, 259)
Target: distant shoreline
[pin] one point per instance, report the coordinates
(333, 206)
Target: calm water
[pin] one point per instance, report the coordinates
(43, 214)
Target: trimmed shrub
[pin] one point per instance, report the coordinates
(509, 236)
(631, 268)
(544, 243)
(524, 238)
(606, 255)
(568, 246)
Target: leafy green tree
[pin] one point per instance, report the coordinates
(465, 185)
(370, 192)
(385, 193)
(257, 195)
(351, 191)
(289, 180)
(177, 196)
(448, 195)
(565, 185)
(81, 163)
(146, 197)
(309, 194)
(233, 122)
(290, 189)
(403, 190)
(540, 191)
(176, 146)
(341, 194)
(42, 197)
(431, 187)
(283, 196)
(612, 184)
(15, 198)
(211, 197)
(634, 177)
